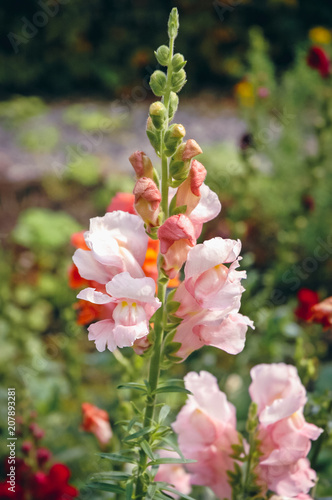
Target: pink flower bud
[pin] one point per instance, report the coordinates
(263, 92)
(177, 236)
(191, 149)
(26, 447)
(43, 456)
(37, 432)
(189, 191)
(147, 200)
(141, 164)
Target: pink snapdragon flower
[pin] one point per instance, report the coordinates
(117, 242)
(210, 298)
(131, 303)
(284, 434)
(206, 428)
(173, 474)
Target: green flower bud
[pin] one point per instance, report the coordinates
(177, 130)
(178, 62)
(158, 114)
(153, 135)
(178, 80)
(173, 23)
(173, 105)
(179, 169)
(162, 55)
(158, 83)
(173, 138)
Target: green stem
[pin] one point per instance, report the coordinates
(161, 316)
(246, 479)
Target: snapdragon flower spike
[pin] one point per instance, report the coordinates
(210, 298)
(117, 242)
(283, 433)
(147, 201)
(132, 303)
(206, 429)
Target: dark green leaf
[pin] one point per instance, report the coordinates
(160, 461)
(172, 388)
(137, 434)
(129, 490)
(117, 457)
(106, 487)
(146, 448)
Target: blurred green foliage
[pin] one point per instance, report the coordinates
(65, 48)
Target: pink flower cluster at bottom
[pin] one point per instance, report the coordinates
(206, 428)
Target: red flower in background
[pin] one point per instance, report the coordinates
(318, 59)
(53, 485)
(322, 313)
(35, 479)
(307, 299)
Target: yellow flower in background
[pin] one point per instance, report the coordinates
(320, 35)
(244, 91)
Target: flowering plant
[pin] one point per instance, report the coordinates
(135, 307)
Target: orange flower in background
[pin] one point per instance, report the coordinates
(96, 421)
(322, 313)
(150, 264)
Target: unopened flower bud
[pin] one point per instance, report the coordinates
(147, 200)
(177, 130)
(173, 23)
(158, 114)
(43, 456)
(173, 138)
(162, 55)
(158, 83)
(141, 164)
(153, 135)
(178, 80)
(178, 62)
(191, 149)
(173, 105)
(26, 447)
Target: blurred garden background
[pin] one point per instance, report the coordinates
(74, 102)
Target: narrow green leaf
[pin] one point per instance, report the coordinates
(146, 448)
(137, 434)
(132, 385)
(163, 413)
(110, 476)
(129, 490)
(117, 457)
(172, 388)
(106, 487)
(160, 461)
(173, 446)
